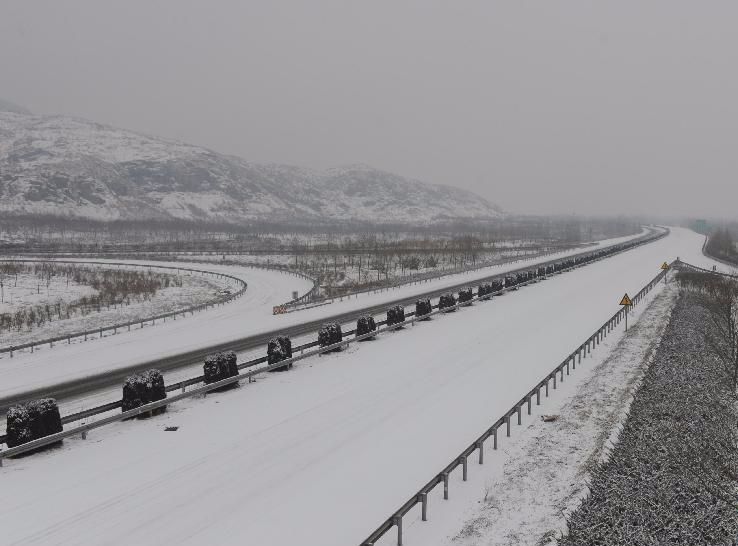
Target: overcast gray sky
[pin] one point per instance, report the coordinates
(549, 106)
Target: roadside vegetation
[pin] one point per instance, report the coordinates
(106, 288)
(672, 477)
(722, 245)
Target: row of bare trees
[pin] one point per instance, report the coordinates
(113, 287)
(721, 244)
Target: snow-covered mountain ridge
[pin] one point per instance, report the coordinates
(67, 166)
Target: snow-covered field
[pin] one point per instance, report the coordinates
(28, 291)
(322, 454)
(248, 315)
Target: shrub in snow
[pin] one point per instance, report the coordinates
(220, 366)
(497, 285)
(541, 271)
(510, 281)
(395, 315)
(329, 334)
(446, 301)
(32, 420)
(422, 308)
(279, 349)
(143, 388)
(465, 295)
(365, 325)
(521, 278)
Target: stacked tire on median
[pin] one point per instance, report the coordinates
(32, 420)
(279, 349)
(143, 388)
(330, 334)
(219, 367)
(365, 325)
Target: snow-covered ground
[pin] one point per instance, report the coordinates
(322, 454)
(195, 290)
(248, 315)
(522, 493)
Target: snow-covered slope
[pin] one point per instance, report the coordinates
(60, 165)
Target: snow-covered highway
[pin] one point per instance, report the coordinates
(71, 370)
(322, 454)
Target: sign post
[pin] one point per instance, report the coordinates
(626, 302)
(665, 267)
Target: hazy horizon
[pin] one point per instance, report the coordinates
(561, 108)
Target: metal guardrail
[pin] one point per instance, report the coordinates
(108, 378)
(716, 258)
(114, 328)
(182, 385)
(568, 364)
(678, 263)
(433, 275)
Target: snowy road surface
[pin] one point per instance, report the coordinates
(322, 454)
(249, 315)
(266, 288)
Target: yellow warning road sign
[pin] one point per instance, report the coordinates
(664, 266)
(626, 300)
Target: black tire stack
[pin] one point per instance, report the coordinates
(219, 367)
(365, 325)
(143, 388)
(423, 307)
(465, 295)
(446, 303)
(279, 349)
(395, 315)
(329, 334)
(32, 420)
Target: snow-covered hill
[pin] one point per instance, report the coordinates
(67, 166)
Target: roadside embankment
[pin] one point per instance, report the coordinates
(671, 478)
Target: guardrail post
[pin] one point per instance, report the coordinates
(567, 367)
(520, 420)
(398, 524)
(480, 447)
(554, 379)
(445, 485)
(423, 497)
(494, 436)
(529, 403)
(547, 379)
(538, 395)
(507, 422)
(464, 467)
